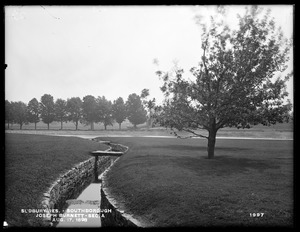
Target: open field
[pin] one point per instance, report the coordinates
(162, 181)
(71, 126)
(169, 182)
(32, 163)
(279, 131)
(127, 126)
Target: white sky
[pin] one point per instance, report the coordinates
(102, 51)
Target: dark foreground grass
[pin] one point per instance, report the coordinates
(32, 163)
(170, 182)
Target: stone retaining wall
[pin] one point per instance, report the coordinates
(72, 183)
(114, 217)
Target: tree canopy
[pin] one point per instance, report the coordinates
(19, 110)
(47, 109)
(105, 111)
(33, 110)
(89, 110)
(119, 111)
(9, 115)
(136, 113)
(61, 111)
(233, 84)
(149, 105)
(74, 109)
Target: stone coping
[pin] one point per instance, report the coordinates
(47, 203)
(106, 153)
(105, 193)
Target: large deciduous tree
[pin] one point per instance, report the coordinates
(136, 113)
(105, 112)
(89, 111)
(9, 116)
(47, 109)
(149, 105)
(74, 110)
(19, 110)
(233, 85)
(61, 111)
(33, 110)
(119, 111)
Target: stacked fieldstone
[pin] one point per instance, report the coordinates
(116, 216)
(71, 184)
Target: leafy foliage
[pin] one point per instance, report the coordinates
(105, 111)
(119, 111)
(74, 110)
(136, 113)
(19, 110)
(9, 116)
(149, 105)
(33, 110)
(61, 110)
(47, 109)
(232, 84)
(89, 110)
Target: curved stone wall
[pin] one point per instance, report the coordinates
(70, 184)
(73, 182)
(116, 216)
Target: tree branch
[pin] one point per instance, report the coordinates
(188, 119)
(205, 67)
(198, 135)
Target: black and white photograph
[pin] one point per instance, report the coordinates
(155, 116)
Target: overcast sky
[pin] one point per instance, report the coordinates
(103, 51)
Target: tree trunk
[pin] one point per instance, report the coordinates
(35, 125)
(211, 143)
(7, 125)
(134, 126)
(148, 123)
(119, 126)
(92, 126)
(20, 126)
(48, 125)
(105, 126)
(76, 125)
(61, 124)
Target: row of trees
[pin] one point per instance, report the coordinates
(232, 86)
(89, 110)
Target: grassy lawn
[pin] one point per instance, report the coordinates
(281, 130)
(32, 163)
(71, 126)
(169, 182)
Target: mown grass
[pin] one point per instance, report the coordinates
(170, 182)
(71, 126)
(32, 163)
(281, 131)
(126, 125)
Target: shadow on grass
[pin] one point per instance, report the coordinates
(223, 165)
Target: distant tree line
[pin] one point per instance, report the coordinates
(88, 111)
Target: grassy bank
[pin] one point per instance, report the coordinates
(169, 182)
(32, 163)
